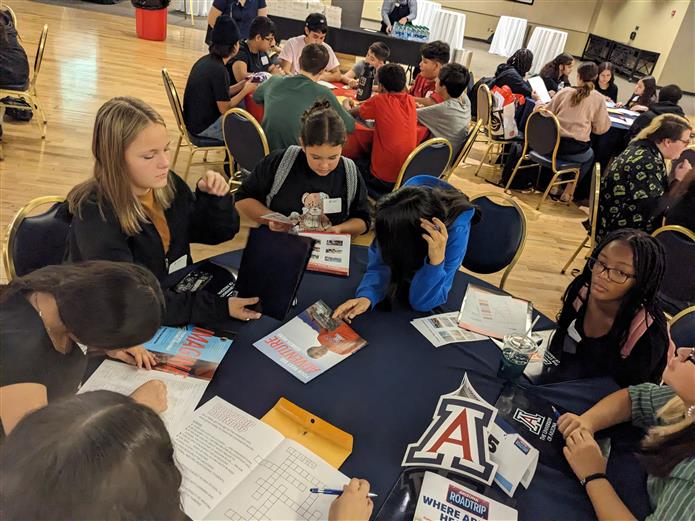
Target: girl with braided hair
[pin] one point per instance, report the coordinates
(611, 322)
(512, 73)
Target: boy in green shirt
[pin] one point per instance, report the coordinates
(285, 98)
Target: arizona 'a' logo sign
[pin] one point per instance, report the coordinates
(533, 422)
(456, 440)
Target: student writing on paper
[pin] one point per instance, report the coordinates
(421, 238)
(312, 184)
(52, 316)
(117, 463)
(135, 209)
(667, 413)
(612, 322)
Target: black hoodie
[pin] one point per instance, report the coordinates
(655, 109)
(508, 75)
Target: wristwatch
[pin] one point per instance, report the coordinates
(591, 477)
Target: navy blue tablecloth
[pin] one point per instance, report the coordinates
(386, 393)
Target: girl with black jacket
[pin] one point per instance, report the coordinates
(134, 209)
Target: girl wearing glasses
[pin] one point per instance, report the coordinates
(611, 322)
(668, 453)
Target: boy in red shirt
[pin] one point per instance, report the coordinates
(395, 130)
(434, 55)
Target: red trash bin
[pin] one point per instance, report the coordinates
(151, 24)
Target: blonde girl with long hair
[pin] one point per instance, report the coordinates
(135, 209)
(668, 450)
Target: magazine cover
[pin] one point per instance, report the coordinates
(311, 343)
(441, 498)
(188, 351)
(331, 253)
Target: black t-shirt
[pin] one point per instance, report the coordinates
(611, 91)
(255, 62)
(207, 84)
(303, 184)
(27, 354)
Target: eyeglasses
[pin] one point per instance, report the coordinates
(686, 354)
(686, 141)
(614, 274)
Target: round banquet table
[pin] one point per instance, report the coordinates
(545, 44)
(386, 393)
(509, 36)
(359, 142)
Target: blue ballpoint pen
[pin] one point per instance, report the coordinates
(332, 491)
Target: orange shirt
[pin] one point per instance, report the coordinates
(156, 215)
(395, 132)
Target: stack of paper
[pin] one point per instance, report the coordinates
(443, 329)
(494, 315)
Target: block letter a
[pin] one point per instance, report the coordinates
(460, 423)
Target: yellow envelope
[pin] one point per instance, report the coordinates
(320, 437)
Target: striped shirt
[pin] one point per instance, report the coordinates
(673, 497)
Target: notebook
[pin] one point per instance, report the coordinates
(272, 267)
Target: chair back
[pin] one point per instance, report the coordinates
(682, 328)
(244, 138)
(497, 239)
(13, 17)
(174, 102)
(465, 150)
(484, 104)
(39, 57)
(429, 181)
(679, 278)
(35, 241)
(594, 199)
(430, 157)
(542, 133)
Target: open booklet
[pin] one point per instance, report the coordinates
(236, 467)
(494, 314)
(331, 253)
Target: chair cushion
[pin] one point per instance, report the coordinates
(19, 88)
(547, 162)
(205, 141)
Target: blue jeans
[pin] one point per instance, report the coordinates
(214, 131)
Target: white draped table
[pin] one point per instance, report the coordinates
(425, 13)
(545, 44)
(448, 26)
(200, 7)
(509, 36)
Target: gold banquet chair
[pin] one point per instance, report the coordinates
(465, 150)
(29, 93)
(495, 145)
(186, 139)
(431, 157)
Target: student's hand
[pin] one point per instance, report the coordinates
(681, 170)
(237, 308)
(153, 394)
(389, 29)
(353, 504)
(535, 95)
(249, 88)
(568, 423)
(551, 93)
(213, 183)
(136, 355)
(436, 238)
(639, 108)
(351, 308)
(279, 227)
(619, 105)
(583, 454)
(353, 82)
(349, 103)
(403, 21)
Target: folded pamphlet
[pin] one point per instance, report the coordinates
(443, 329)
(494, 314)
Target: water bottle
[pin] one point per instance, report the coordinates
(365, 83)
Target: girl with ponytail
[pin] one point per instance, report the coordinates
(581, 111)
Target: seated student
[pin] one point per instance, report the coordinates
(667, 103)
(313, 184)
(635, 190)
(52, 316)
(611, 322)
(434, 56)
(253, 52)
(14, 65)
(395, 129)
(581, 112)
(513, 71)
(555, 74)
(315, 31)
(115, 461)
(208, 94)
(134, 209)
(421, 238)
(682, 211)
(377, 55)
(667, 413)
(606, 82)
(643, 95)
(450, 118)
(286, 98)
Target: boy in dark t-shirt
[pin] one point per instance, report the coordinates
(253, 52)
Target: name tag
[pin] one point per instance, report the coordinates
(334, 205)
(264, 60)
(178, 264)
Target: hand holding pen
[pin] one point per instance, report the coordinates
(353, 504)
